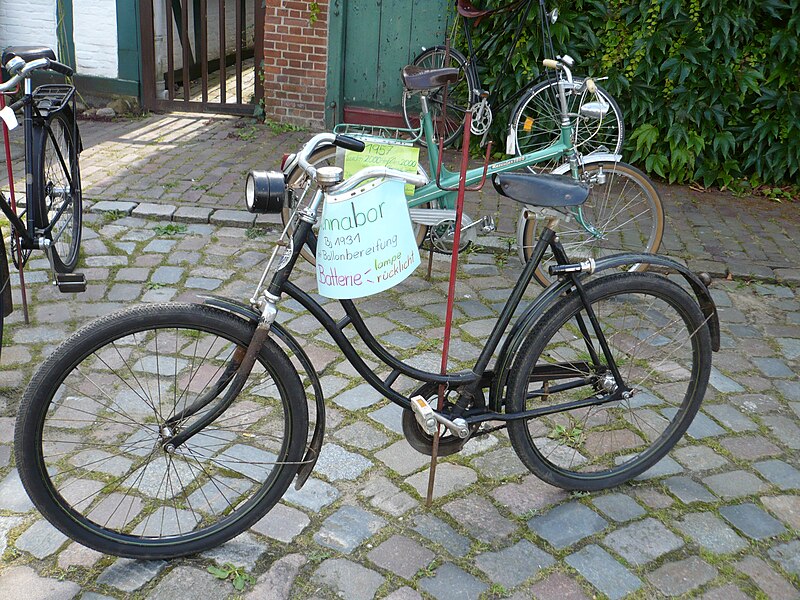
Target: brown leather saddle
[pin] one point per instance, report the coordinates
(467, 10)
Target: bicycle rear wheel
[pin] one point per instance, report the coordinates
(660, 342)
(537, 121)
(459, 96)
(90, 434)
(57, 176)
(623, 213)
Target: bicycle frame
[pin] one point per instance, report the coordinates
(475, 55)
(468, 384)
(33, 230)
(449, 179)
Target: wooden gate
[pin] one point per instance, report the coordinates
(202, 55)
(369, 45)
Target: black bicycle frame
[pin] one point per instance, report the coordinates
(30, 232)
(476, 54)
(467, 383)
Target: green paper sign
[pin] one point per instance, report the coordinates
(379, 152)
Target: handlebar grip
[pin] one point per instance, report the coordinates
(550, 63)
(590, 85)
(60, 68)
(349, 143)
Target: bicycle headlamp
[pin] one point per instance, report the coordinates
(265, 191)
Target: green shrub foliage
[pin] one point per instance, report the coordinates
(710, 89)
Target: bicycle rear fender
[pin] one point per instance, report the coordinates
(246, 312)
(533, 313)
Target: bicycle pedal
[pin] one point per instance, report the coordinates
(488, 224)
(424, 414)
(71, 283)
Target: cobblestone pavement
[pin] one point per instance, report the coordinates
(718, 518)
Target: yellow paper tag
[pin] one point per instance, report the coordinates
(381, 153)
(528, 124)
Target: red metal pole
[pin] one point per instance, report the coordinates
(451, 290)
(14, 209)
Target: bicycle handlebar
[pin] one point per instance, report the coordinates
(21, 70)
(357, 145)
(560, 64)
(367, 173)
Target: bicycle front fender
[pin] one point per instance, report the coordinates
(246, 312)
(594, 157)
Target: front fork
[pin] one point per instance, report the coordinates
(242, 362)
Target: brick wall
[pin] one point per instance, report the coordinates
(295, 60)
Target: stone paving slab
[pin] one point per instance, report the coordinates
(721, 513)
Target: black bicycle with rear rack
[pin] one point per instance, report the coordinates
(53, 206)
(165, 429)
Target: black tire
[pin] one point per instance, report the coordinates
(625, 210)
(296, 180)
(459, 95)
(58, 186)
(89, 444)
(662, 346)
(536, 120)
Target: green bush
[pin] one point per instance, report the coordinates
(710, 89)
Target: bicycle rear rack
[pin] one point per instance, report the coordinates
(53, 97)
(379, 132)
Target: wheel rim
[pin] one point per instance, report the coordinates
(620, 215)
(538, 124)
(102, 438)
(657, 351)
(458, 99)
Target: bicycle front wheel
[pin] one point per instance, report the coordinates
(623, 213)
(537, 121)
(459, 96)
(57, 174)
(91, 431)
(588, 437)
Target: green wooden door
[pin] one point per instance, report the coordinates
(377, 39)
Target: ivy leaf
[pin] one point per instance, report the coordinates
(724, 143)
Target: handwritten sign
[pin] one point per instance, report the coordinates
(383, 153)
(366, 242)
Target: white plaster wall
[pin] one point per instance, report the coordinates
(95, 37)
(28, 23)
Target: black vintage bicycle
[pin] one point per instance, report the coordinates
(163, 430)
(535, 118)
(53, 206)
